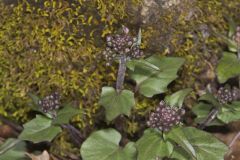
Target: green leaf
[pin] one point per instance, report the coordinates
(34, 103)
(104, 145)
(205, 144)
(210, 99)
(180, 154)
(230, 112)
(154, 74)
(228, 67)
(65, 114)
(13, 149)
(202, 110)
(152, 145)
(177, 98)
(8, 144)
(177, 135)
(131, 64)
(116, 103)
(39, 129)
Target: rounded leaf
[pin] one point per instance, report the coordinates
(152, 145)
(104, 145)
(116, 103)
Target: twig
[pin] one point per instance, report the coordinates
(121, 73)
(11, 124)
(75, 134)
(236, 137)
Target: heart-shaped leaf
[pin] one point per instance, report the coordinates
(202, 143)
(154, 75)
(39, 129)
(152, 145)
(104, 145)
(116, 103)
(228, 67)
(177, 98)
(205, 144)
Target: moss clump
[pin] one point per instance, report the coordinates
(55, 45)
(62, 146)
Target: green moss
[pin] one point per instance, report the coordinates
(62, 145)
(54, 45)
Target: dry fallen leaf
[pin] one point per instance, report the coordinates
(43, 156)
(6, 131)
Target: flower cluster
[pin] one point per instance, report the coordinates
(236, 37)
(122, 44)
(227, 95)
(165, 117)
(50, 102)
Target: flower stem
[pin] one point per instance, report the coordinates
(121, 73)
(211, 116)
(238, 55)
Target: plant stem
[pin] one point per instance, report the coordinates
(121, 73)
(211, 116)
(236, 137)
(238, 55)
(15, 126)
